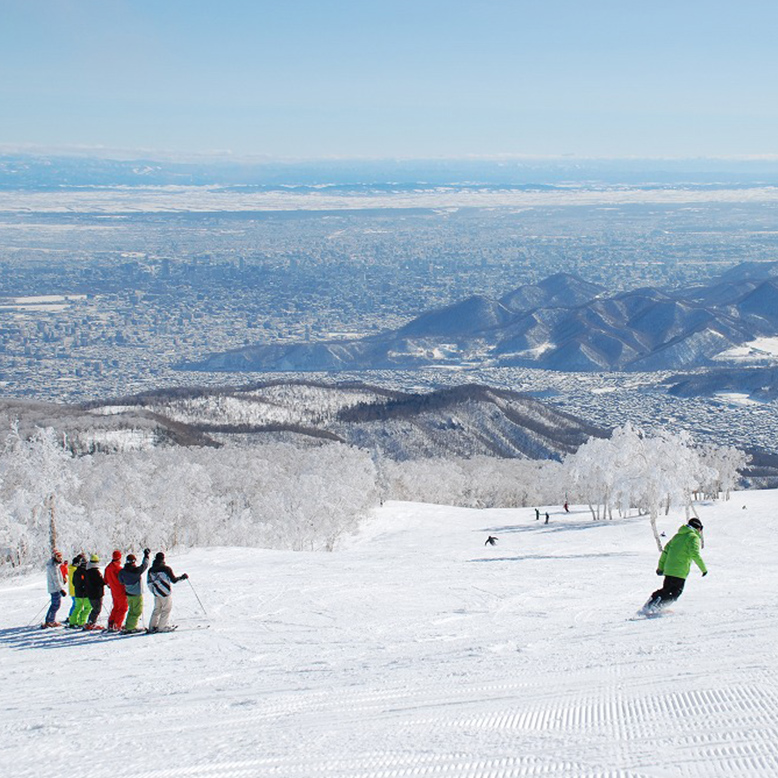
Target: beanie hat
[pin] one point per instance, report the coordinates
(131, 557)
(94, 558)
(696, 524)
(57, 554)
(116, 555)
(159, 557)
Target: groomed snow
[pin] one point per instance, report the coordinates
(418, 651)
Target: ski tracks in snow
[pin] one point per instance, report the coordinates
(509, 730)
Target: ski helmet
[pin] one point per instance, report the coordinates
(695, 523)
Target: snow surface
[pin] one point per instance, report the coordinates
(759, 350)
(419, 651)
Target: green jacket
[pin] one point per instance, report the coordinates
(678, 555)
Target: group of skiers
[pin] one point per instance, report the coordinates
(83, 580)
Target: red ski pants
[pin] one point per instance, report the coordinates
(118, 611)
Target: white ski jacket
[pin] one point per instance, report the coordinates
(55, 581)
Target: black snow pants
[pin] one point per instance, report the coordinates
(671, 590)
(97, 606)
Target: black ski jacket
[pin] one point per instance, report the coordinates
(95, 585)
(79, 582)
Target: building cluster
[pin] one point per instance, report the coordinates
(93, 307)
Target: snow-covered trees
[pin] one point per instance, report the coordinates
(650, 472)
(725, 464)
(276, 495)
(281, 495)
(35, 483)
(478, 482)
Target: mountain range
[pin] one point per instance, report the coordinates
(561, 323)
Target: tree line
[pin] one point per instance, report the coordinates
(307, 498)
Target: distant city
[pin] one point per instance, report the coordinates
(102, 303)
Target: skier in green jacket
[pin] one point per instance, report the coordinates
(675, 564)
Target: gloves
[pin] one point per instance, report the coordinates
(146, 552)
(63, 592)
(185, 577)
(704, 574)
(659, 572)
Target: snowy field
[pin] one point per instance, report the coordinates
(418, 651)
(213, 199)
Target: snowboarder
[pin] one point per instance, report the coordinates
(490, 541)
(55, 584)
(95, 589)
(78, 617)
(675, 563)
(160, 579)
(118, 595)
(131, 576)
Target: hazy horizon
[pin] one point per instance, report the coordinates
(391, 80)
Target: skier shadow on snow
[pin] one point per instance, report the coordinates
(564, 525)
(26, 638)
(536, 557)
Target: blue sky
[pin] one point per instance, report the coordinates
(392, 78)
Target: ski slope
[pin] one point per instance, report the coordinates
(418, 651)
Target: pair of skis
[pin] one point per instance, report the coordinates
(167, 630)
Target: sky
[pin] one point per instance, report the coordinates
(311, 79)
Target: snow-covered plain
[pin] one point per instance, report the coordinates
(419, 651)
(189, 199)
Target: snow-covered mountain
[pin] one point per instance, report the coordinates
(562, 323)
(466, 420)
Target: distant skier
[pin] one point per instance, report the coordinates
(160, 579)
(547, 518)
(491, 540)
(537, 514)
(95, 589)
(55, 584)
(131, 576)
(567, 507)
(675, 563)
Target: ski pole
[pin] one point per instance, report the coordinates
(198, 599)
(38, 614)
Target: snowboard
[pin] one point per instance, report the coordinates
(642, 615)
